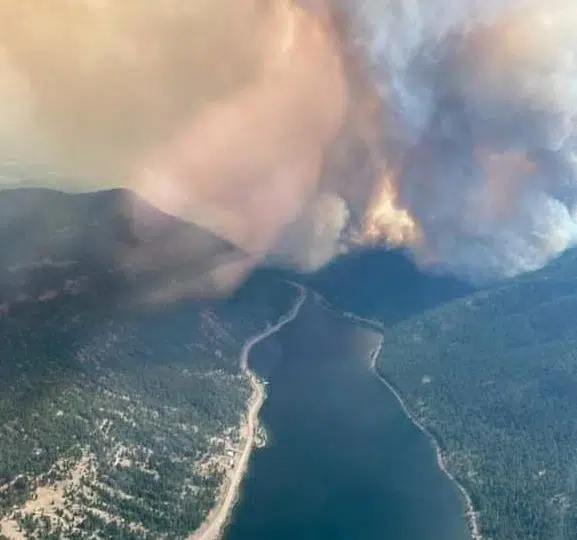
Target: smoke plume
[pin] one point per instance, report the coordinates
(484, 101)
(300, 129)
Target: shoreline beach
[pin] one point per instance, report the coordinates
(217, 519)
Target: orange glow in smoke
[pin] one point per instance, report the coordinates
(246, 116)
(387, 221)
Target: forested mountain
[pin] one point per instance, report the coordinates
(46, 235)
(116, 420)
(492, 374)
(494, 377)
(384, 285)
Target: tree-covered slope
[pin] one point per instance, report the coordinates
(117, 420)
(494, 377)
(383, 285)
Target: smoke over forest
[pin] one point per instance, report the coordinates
(299, 130)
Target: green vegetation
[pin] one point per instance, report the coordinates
(117, 422)
(494, 377)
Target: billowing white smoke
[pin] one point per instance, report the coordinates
(316, 238)
(483, 99)
(447, 127)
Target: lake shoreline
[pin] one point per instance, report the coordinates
(213, 526)
(471, 515)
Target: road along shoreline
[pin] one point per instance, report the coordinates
(471, 515)
(213, 526)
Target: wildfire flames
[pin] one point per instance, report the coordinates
(386, 220)
(446, 129)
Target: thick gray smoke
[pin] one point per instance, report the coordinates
(297, 129)
(481, 101)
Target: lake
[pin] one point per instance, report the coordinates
(342, 460)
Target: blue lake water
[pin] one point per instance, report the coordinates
(342, 462)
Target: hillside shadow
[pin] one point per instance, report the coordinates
(385, 285)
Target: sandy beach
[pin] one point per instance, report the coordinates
(213, 526)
